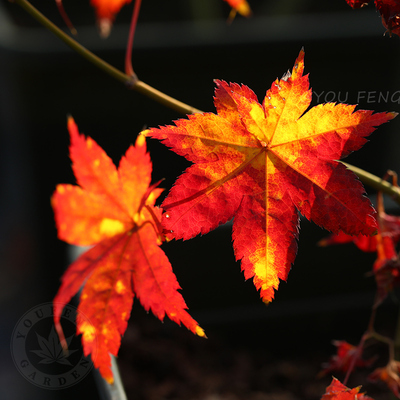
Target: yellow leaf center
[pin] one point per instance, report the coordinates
(111, 227)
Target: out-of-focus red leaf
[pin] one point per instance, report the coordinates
(386, 267)
(357, 3)
(389, 375)
(389, 227)
(240, 6)
(364, 243)
(389, 11)
(106, 10)
(113, 209)
(346, 355)
(337, 391)
(387, 273)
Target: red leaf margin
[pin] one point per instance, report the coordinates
(122, 263)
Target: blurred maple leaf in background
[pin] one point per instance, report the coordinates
(390, 375)
(240, 6)
(386, 268)
(106, 10)
(346, 355)
(389, 11)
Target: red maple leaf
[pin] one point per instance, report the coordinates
(389, 10)
(346, 356)
(386, 267)
(113, 209)
(357, 3)
(106, 10)
(240, 6)
(389, 228)
(337, 391)
(261, 164)
(390, 374)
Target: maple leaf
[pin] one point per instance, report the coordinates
(261, 164)
(106, 10)
(337, 391)
(389, 11)
(357, 3)
(389, 228)
(114, 210)
(240, 6)
(386, 267)
(390, 374)
(346, 354)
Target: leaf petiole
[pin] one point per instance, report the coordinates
(159, 231)
(129, 81)
(128, 55)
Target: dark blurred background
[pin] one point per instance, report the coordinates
(180, 47)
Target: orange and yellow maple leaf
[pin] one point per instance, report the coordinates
(240, 6)
(261, 164)
(113, 209)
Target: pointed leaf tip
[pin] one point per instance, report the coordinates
(113, 210)
(141, 140)
(71, 125)
(200, 332)
(262, 164)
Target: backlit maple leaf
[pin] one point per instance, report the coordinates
(261, 164)
(114, 210)
(337, 391)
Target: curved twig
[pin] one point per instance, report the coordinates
(130, 81)
(168, 101)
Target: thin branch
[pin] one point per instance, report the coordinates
(376, 182)
(168, 101)
(129, 81)
(65, 17)
(128, 55)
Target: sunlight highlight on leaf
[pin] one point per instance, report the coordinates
(113, 209)
(262, 164)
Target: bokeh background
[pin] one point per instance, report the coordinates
(253, 351)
